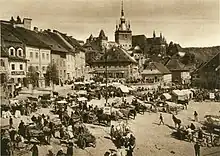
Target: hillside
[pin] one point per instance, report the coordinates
(203, 54)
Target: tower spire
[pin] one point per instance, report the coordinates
(122, 8)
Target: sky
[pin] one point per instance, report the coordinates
(191, 23)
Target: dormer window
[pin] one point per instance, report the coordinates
(11, 51)
(20, 52)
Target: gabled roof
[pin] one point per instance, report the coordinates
(72, 41)
(175, 65)
(102, 35)
(161, 69)
(26, 36)
(116, 55)
(55, 37)
(212, 64)
(47, 39)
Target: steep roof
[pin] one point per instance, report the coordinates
(47, 39)
(150, 69)
(175, 65)
(116, 55)
(163, 69)
(212, 64)
(26, 36)
(7, 35)
(72, 41)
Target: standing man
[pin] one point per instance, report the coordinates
(10, 122)
(195, 116)
(197, 149)
(70, 149)
(161, 119)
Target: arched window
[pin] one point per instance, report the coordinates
(19, 52)
(11, 51)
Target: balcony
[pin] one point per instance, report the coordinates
(17, 73)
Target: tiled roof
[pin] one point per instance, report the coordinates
(163, 69)
(150, 69)
(26, 36)
(175, 64)
(72, 41)
(47, 39)
(116, 54)
(7, 35)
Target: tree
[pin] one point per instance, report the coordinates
(32, 77)
(52, 74)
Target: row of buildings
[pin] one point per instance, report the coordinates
(22, 47)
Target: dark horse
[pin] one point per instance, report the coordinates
(176, 121)
(103, 118)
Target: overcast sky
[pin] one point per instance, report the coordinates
(187, 22)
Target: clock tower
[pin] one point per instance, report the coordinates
(123, 33)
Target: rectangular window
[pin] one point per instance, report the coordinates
(31, 55)
(12, 66)
(21, 66)
(64, 63)
(47, 56)
(43, 68)
(43, 56)
(61, 63)
(36, 67)
(36, 55)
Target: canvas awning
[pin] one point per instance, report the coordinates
(61, 102)
(181, 95)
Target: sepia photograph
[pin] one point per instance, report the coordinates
(110, 77)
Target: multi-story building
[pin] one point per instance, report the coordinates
(156, 73)
(123, 33)
(119, 64)
(58, 52)
(36, 52)
(208, 75)
(180, 74)
(15, 49)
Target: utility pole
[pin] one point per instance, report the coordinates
(106, 77)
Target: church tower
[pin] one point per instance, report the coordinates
(123, 33)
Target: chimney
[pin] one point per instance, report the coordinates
(27, 23)
(36, 29)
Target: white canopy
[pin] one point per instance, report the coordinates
(180, 94)
(61, 102)
(82, 99)
(78, 83)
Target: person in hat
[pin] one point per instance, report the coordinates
(10, 122)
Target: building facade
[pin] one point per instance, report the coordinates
(157, 73)
(118, 64)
